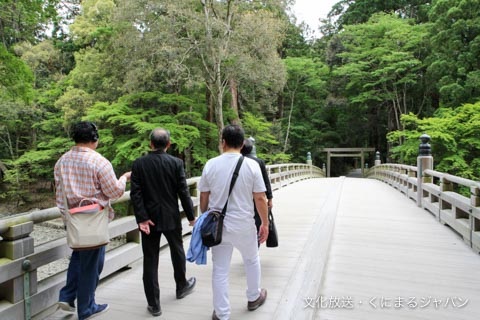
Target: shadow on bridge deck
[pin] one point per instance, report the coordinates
(383, 248)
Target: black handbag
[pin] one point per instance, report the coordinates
(272, 239)
(212, 226)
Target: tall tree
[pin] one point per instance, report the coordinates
(348, 12)
(228, 45)
(453, 62)
(25, 20)
(304, 126)
(381, 66)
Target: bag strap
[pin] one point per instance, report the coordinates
(232, 183)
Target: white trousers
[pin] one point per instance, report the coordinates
(246, 243)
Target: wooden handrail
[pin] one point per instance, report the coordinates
(438, 196)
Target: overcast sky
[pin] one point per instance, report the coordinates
(312, 10)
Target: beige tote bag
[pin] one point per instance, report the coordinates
(87, 226)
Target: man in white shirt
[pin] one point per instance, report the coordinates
(239, 224)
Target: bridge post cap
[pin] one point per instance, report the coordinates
(425, 138)
(26, 265)
(254, 148)
(309, 155)
(377, 155)
(424, 149)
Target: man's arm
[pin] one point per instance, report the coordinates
(112, 187)
(184, 194)
(204, 198)
(261, 205)
(136, 196)
(266, 180)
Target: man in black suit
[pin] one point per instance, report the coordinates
(248, 150)
(157, 181)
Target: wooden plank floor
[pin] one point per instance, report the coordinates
(386, 249)
(383, 246)
(296, 208)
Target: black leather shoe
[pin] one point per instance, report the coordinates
(187, 289)
(156, 312)
(214, 316)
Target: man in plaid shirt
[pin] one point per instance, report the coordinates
(85, 174)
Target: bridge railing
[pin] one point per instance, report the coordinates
(440, 194)
(23, 295)
(401, 177)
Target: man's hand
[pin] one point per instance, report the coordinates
(263, 233)
(192, 222)
(145, 226)
(127, 175)
(270, 203)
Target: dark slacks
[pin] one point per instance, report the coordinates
(83, 275)
(151, 250)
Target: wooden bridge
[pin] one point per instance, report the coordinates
(391, 247)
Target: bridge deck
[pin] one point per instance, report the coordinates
(383, 247)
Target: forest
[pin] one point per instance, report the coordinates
(381, 74)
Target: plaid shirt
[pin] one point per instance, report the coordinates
(86, 175)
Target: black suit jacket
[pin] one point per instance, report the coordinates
(266, 179)
(157, 181)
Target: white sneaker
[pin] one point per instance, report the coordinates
(66, 306)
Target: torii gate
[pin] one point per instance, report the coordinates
(346, 152)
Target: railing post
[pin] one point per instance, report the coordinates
(328, 164)
(309, 162)
(424, 162)
(16, 244)
(377, 158)
(376, 163)
(475, 196)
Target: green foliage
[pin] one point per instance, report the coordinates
(17, 179)
(377, 76)
(93, 24)
(25, 20)
(73, 103)
(304, 125)
(16, 79)
(454, 134)
(360, 11)
(190, 66)
(266, 144)
(453, 60)
(380, 61)
(44, 59)
(125, 126)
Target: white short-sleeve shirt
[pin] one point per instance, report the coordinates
(216, 178)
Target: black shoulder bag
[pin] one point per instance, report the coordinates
(212, 226)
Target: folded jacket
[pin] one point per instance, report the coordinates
(197, 252)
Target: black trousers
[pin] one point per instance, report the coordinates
(151, 250)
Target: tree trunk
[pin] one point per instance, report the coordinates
(289, 122)
(188, 161)
(210, 105)
(219, 105)
(234, 102)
